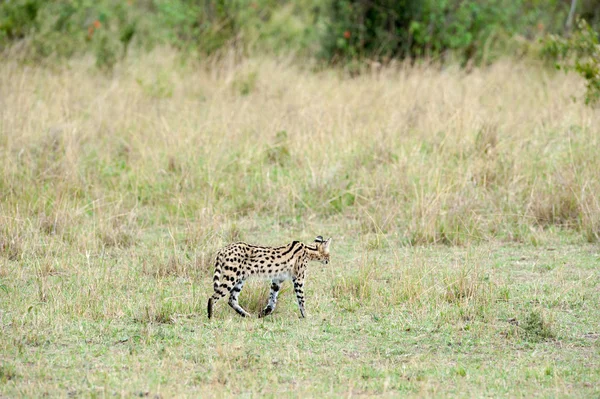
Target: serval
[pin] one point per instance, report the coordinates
(239, 261)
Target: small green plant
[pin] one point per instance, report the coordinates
(460, 371)
(7, 373)
(536, 328)
(579, 52)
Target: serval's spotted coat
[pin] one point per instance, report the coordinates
(239, 261)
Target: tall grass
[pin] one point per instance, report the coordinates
(432, 155)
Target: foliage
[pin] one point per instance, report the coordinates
(206, 27)
(190, 23)
(18, 19)
(389, 28)
(580, 52)
(107, 28)
(536, 328)
(357, 29)
(336, 30)
(61, 29)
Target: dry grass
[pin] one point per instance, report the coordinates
(437, 156)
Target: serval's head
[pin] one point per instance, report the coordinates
(322, 249)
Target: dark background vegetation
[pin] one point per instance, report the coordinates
(330, 30)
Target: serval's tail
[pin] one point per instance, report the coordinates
(216, 280)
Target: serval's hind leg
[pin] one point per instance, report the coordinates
(233, 298)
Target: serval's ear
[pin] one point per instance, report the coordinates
(326, 246)
(319, 239)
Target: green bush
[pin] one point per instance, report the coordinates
(333, 30)
(358, 29)
(17, 19)
(411, 28)
(61, 29)
(107, 28)
(580, 52)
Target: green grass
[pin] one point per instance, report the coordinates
(463, 209)
(496, 320)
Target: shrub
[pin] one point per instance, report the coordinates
(410, 28)
(61, 29)
(580, 52)
(17, 19)
(536, 328)
(343, 30)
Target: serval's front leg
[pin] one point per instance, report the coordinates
(275, 287)
(299, 289)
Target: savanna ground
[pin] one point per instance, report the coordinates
(463, 206)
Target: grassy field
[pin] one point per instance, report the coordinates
(464, 209)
